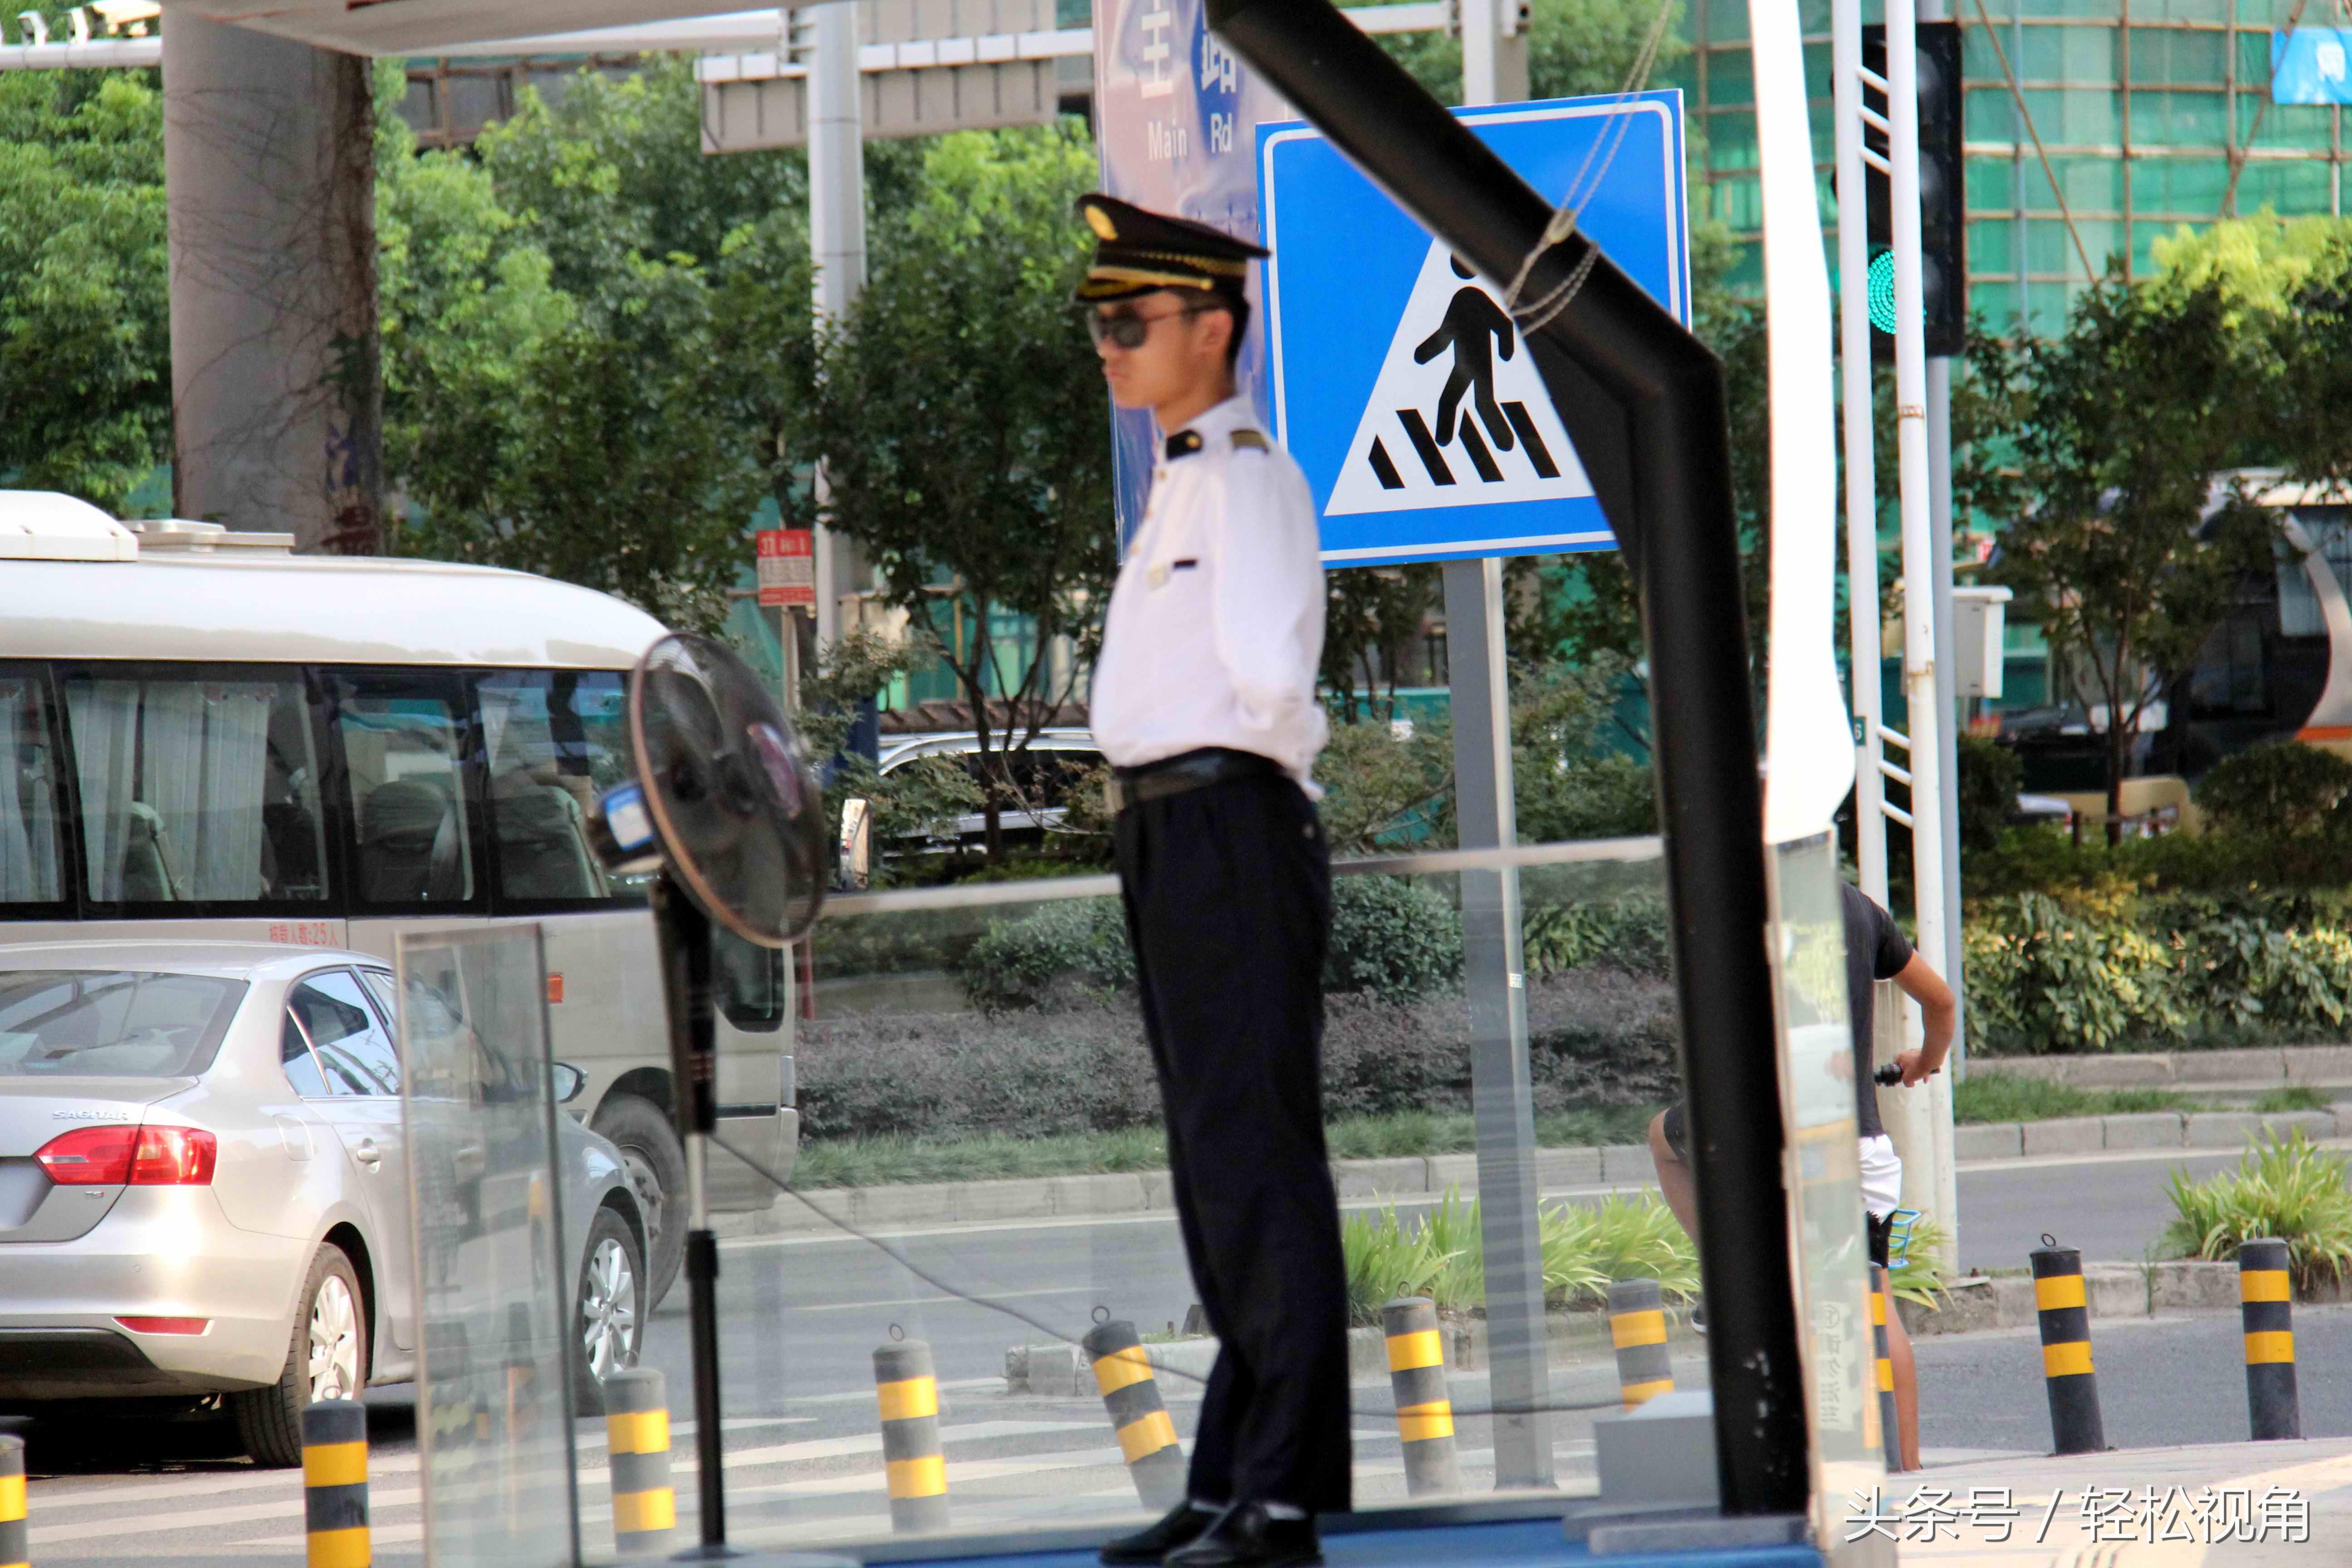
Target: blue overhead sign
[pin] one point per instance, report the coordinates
(2309, 65)
(1393, 374)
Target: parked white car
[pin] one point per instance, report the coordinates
(204, 1192)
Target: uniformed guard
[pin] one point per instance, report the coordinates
(1204, 704)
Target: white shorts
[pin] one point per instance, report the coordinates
(1882, 1176)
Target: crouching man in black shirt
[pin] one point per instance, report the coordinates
(1875, 949)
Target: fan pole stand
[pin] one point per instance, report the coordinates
(684, 933)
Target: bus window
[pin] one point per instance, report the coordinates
(29, 818)
(554, 741)
(198, 787)
(403, 741)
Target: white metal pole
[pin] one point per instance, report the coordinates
(1860, 492)
(836, 165)
(1928, 1182)
(1494, 71)
(1494, 52)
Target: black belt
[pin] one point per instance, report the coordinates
(1187, 771)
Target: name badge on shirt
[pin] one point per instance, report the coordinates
(1158, 574)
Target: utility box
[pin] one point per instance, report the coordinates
(1980, 627)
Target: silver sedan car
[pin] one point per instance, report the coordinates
(203, 1190)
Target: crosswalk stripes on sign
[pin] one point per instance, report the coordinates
(1458, 413)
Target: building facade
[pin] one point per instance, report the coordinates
(2152, 113)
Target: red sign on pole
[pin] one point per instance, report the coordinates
(787, 567)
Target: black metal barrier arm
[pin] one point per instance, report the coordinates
(1643, 401)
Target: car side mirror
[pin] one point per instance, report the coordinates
(855, 869)
(569, 1081)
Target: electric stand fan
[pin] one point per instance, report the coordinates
(725, 815)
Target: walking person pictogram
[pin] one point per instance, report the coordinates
(1471, 319)
(1449, 417)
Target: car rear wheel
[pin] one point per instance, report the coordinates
(649, 1150)
(327, 1359)
(610, 1305)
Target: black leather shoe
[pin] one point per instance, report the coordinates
(1247, 1536)
(1146, 1547)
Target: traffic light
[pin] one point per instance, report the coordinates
(1943, 195)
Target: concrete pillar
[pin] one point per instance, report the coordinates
(837, 162)
(276, 384)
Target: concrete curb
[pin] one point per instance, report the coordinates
(2112, 1291)
(1062, 1371)
(2226, 1074)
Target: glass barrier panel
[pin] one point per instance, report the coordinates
(494, 1187)
(984, 1188)
(1819, 1090)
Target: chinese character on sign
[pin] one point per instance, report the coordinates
(787, 567)
(1157, 53)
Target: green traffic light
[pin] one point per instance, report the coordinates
(1881, 291)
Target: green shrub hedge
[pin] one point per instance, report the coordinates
(1596, 1037)
(2042, 979)
(1394, 938)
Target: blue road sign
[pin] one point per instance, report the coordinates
(1394, 375)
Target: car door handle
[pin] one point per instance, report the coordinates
(367, 1153)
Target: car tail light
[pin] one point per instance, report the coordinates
(133, 1156)
(166, 1325)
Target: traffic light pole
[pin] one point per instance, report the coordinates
(1929, 1181)
(1947, 759)
(1920, 1120)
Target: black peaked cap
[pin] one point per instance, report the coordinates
(1137, 252)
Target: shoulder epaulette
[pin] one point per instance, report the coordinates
(1251, 441)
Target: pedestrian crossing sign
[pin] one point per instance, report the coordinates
(1396, 376)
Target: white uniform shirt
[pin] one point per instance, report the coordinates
(1215, 630)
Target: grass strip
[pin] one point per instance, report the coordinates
(884, 1161)
(2008, 1097)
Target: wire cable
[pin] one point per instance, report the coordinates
(1536, 317)
(1058, 1337)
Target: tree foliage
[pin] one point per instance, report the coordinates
(959, 413)
(85, 334)
(2121, 555)
(575, 356)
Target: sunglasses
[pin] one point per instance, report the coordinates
(1128, 329)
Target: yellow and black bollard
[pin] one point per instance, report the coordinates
(1155, 1461)
(16, 1536)
(912, 1459)
(1637, 1326)
(1891, 1440)
(2067, 1371)
(335, 1484)
(2267, 1307)
(636, 1446)
(1423, 1412)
